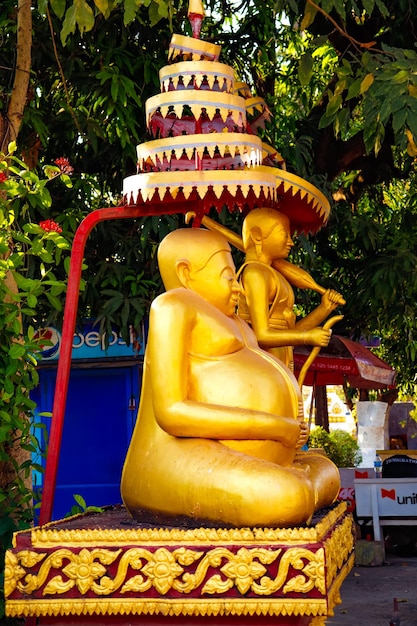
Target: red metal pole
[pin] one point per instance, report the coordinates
(64, 363)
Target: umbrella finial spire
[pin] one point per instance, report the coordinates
(196, 16)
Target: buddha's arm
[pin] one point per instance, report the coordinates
(257, 289)
(172, 323)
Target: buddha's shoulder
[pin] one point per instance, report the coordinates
(180, 297)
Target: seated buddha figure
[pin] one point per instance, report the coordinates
(218, 431)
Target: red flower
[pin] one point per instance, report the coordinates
(64, 165)
(3, 177)
(50, 226)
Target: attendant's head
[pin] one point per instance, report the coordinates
(200, 260)
(267, 231)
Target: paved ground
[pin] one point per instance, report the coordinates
(368, 592)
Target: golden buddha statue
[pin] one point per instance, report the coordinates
(219, 427)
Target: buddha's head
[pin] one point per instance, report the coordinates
(200, 260)
(267, 230)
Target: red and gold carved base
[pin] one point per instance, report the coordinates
(105, 569)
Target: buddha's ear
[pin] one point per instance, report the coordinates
(183, 271)
(257, 239)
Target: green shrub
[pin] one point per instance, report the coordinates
(339, 446)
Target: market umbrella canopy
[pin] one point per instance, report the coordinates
(345, 361)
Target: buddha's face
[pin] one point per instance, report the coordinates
(216, 282)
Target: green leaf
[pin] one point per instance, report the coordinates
(33, 228)
(366, 83)
(354, 89)
(368, 5)
(17, 351)
(399, 119)
(24, 283)
(310, 13)
(79, 14)
(333, 105)
(66, 180)
(305, 68)
(4, 433)
(412, 120)
(154, 13)
(32, 300)
(403, 76)
(114, 89)
(130, 10)
(80, 501)
(69, 25)
(340, 6)
(104, 7)
(84, 15)
(54, 301)
(382, 8)
(58, 7)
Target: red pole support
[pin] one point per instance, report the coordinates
(64, 363)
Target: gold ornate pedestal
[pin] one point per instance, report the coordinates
(105, 568)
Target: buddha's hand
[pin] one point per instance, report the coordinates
(291, 435)
(304, 433)
(331, 299)
(318, 336)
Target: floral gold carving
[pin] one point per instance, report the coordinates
(164, 570)
(241, 569)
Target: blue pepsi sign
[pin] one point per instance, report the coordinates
(90, 344)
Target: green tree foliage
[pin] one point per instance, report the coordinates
(28, 257)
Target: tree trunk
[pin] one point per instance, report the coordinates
(10, 123)
(322, 409)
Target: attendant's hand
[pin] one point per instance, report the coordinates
(331, 299)
(317, 337)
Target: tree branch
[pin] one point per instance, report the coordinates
(355, 42)
(18, 96)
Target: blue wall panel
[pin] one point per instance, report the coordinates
(97, 429)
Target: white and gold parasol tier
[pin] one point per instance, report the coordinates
(206, 103)
(249, 180)
(197, 75)
(246, 189)
(192, 49)
(191, 152)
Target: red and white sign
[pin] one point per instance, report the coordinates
(395, 497)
